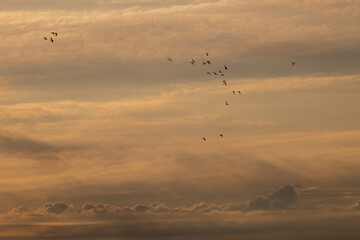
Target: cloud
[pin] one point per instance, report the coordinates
(35, 149)
(355, 206)
(282, 199)
(56, 208)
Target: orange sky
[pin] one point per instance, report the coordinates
(101, 135)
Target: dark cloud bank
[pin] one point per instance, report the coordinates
(274, 216)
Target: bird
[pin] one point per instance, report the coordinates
(239, 92)
(220, 71)
(226, 103)
(233, 92)
(45, 38)
(204, 139)
(52, 40)
(293, 63)
(224, 82)
(221, 135)
(193, 63)
(204, 63)
(222, 75)
(207, 54)
(215, 73)
(208, 73)
(54, 33)
(169, 59)
(208, 62)
(225, 67)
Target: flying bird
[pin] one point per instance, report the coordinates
(226, 103)
(192, 62)
(204, 139)
(204, 63)
(208, 73)
(233, 92)
(215, 73)
(169, 59)
(224, 82)
(52, 40)
(239, 92)
(221, 135)
(293, 63)
(208, 62)
(222, 75)
(207, 54)
(220, 71)
(225, 67)
(45, 38)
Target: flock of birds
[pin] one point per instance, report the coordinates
(216, 73)
(51, 39)
(204, 62)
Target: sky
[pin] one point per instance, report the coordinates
(101, 135)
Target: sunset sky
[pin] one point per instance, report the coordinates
(101, 135)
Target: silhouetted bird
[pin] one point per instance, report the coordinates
(169, 59)
(52, 40)
(215, 73)
(221, 135)
(293, 63)
(208, 73)
(233, 92)
(239, 92)
(222, 75)
(225, 67)
(208, 62)
(192, 63)
(54, 33)
(224, 82)
(207, 54)
(220, 71)
(204, 139)
(45, 38)
(204, 63)
(226, 103)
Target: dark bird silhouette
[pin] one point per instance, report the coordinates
(52, 40)
(215, 73)
(45, 38)
(208, 73)
(293, 63)
(208, 62)
(220, 71)
(239, 92)
(207, 54)
(169, 59)
(192, 62)
(204, 139)
(233, 92)
(54, 33)
(222, 75)
(224, 82)
(204, 63)
(225, 67)
(221, 135)
(226, 103)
